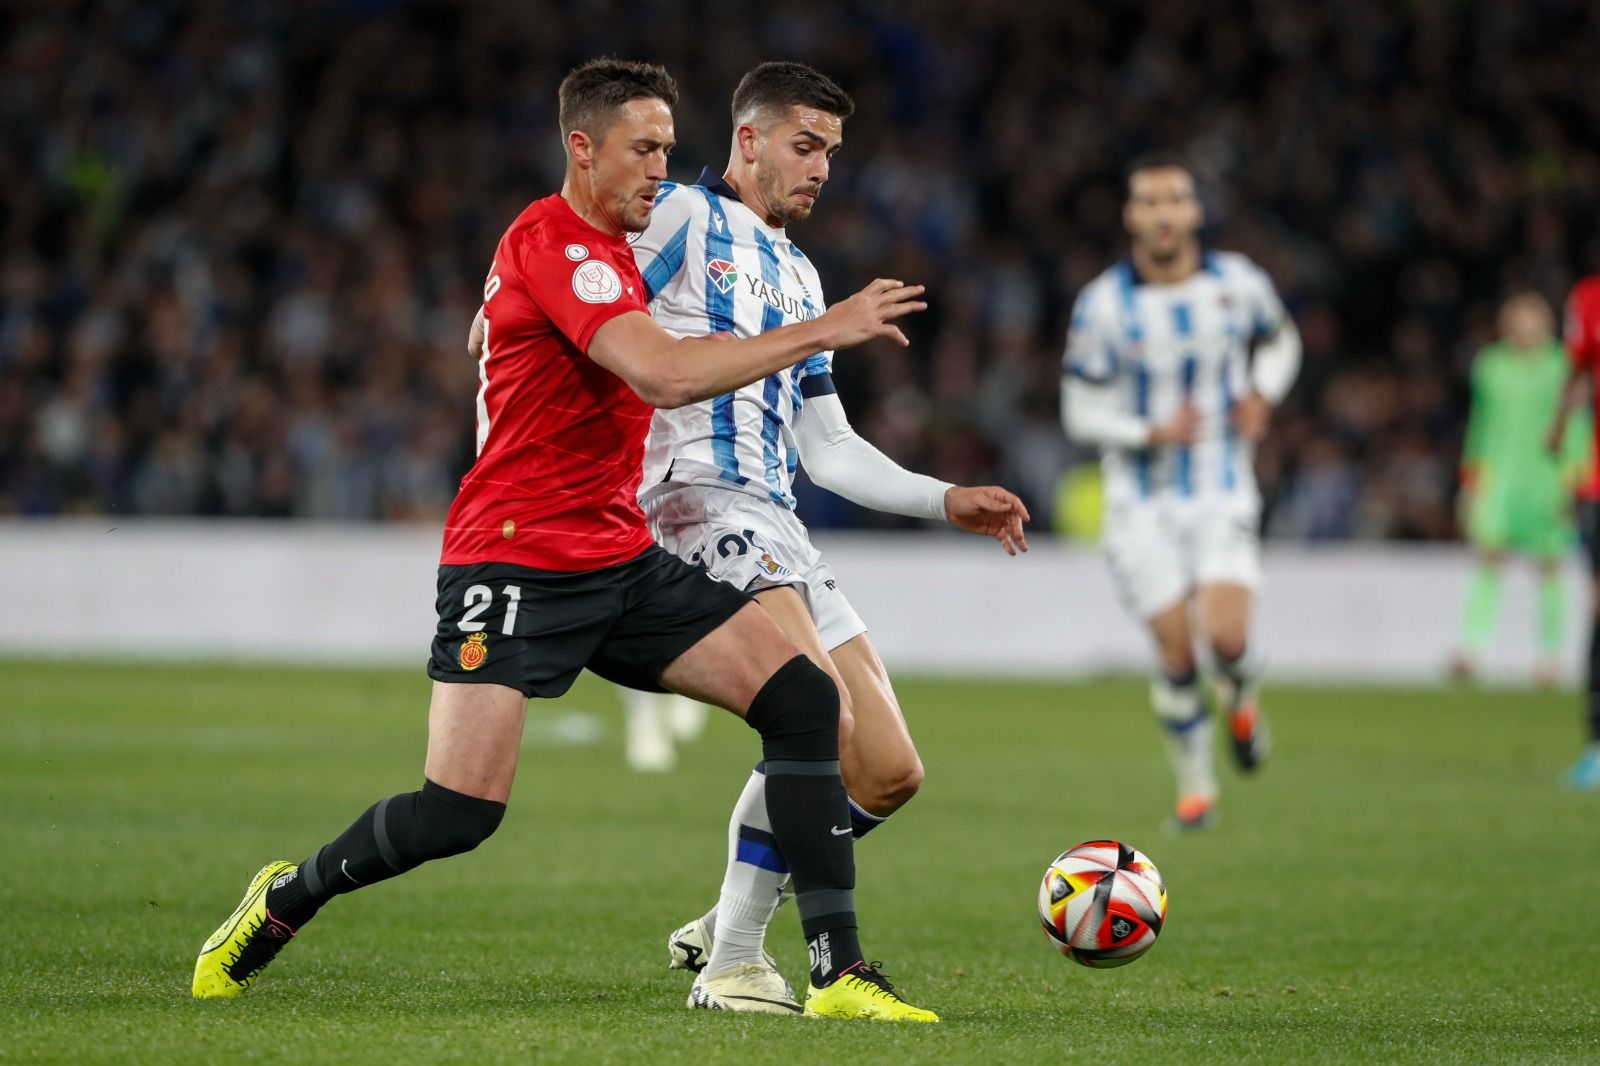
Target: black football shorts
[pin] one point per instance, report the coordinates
(533, 630)
(1589, 530)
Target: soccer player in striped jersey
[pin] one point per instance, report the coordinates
(717, 260)
(548, 566)
(1175, 358)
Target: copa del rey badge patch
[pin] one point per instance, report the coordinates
(474, 650)
(595, 282)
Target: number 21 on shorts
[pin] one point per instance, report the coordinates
(479, 598)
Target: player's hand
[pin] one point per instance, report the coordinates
(1251, 416)
(989, 511)
(871, 313)
(475, 337)
(1184, 428)
(1555, 440)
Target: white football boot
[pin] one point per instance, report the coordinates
(689, 946)
(746, 986)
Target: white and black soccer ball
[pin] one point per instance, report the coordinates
(1102, 903)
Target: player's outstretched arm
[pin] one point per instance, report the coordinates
(1090, 415)
(668, 371)
(838, 459)
(1572, 393)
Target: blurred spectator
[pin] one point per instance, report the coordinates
(240, 242)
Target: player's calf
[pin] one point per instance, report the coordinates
(881, 785)
(1238, 686)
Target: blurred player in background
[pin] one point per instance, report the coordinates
(654, 723)
(1515, 494)
(1175, 359)
(1582, 330)
(548, 567)
(717, 260)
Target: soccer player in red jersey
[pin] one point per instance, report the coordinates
(1583, 346)
(548, 566)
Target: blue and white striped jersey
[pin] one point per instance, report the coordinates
(711, 265)
(1152, 347)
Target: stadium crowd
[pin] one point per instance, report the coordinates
(241, 242)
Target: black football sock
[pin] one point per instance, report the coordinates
(1594, 681)
(392, 836)
(290, 902)
(827, 949)
(797, 714)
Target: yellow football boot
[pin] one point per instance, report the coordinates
(244, 944)
(863, 992)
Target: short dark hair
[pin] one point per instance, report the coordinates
(593, 93)
(1159, 160)
(773, 86)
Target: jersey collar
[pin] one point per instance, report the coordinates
(713, 182)
(1208, 265)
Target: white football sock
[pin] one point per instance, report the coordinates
(1186, 728)
(752, 884)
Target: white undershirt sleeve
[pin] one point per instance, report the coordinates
(1089, 416)
(1276, 363)
(838, 459)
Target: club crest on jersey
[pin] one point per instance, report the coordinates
(577, 252)
(595, 282)
(474, 650)
(723, 274)
(771, 565)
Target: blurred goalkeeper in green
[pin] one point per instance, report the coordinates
(1516, 496)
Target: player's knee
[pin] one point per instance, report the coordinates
(450, 823)
(1228, 646)
(797, 713)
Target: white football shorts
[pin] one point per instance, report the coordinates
(752, 544)
(1160, 549)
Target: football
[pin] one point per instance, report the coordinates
(1102, 903)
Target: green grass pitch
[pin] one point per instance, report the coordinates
(1404, 882)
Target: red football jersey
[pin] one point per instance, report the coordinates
(560, 438)
(1583, 345)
